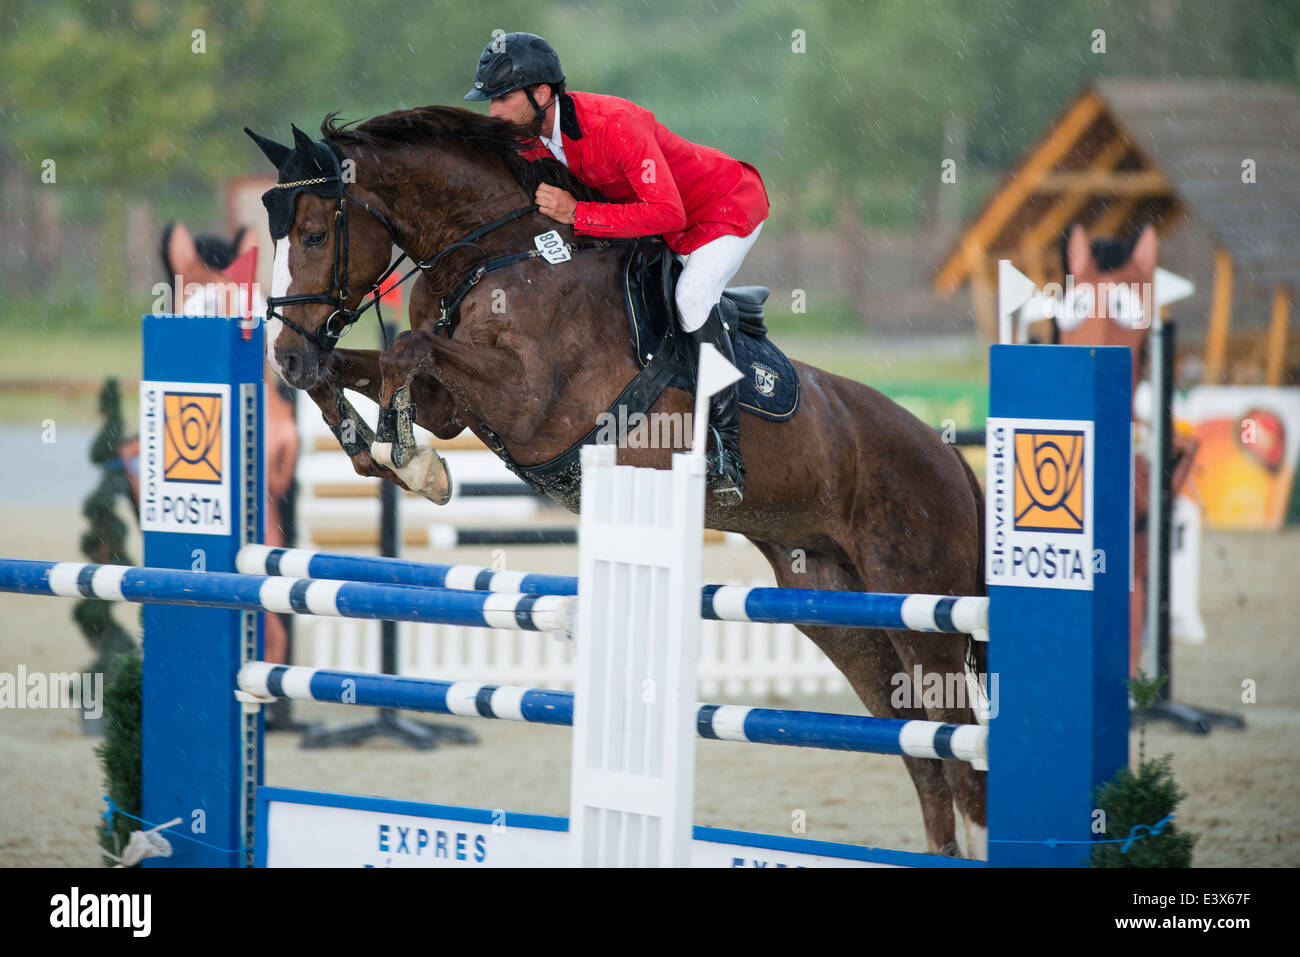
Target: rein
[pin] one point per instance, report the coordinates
(326, 336)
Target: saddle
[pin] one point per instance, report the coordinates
(770, 388)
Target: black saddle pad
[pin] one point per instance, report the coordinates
(770, 388)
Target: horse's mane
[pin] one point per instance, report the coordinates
(434, 125)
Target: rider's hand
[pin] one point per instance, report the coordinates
(556, 203)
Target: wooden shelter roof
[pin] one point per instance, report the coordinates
(1128, 152)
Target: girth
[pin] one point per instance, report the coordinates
(558, 477)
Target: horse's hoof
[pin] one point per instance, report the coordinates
(436, 483)
(424, 473)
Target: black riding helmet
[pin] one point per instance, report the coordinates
(512, 61)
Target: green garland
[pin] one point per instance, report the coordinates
(117, 653)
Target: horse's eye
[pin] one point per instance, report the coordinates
(315, 239)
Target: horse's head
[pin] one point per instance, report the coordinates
(1113, 292)
(326, 260)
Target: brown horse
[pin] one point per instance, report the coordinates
(853, 493)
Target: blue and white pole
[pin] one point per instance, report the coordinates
(302, 596)
(797, 729)
(795, 606)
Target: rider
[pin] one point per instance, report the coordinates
(708, 207)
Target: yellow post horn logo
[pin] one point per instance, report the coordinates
(1049, 481)
(192, 437)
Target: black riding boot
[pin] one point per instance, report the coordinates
(726, 471)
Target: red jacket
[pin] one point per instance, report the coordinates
(657, 182)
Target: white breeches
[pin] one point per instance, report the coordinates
(706, 273)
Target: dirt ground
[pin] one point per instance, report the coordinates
(1241, 786)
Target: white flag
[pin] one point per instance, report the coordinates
(716, 373)
(1171, 287)
(1014, 290)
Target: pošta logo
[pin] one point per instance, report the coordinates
(184, 457)
(1039, 524)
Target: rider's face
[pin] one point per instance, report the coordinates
(514, 106)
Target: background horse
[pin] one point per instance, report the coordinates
(196, 265)
(853, 493)
(1114, 284)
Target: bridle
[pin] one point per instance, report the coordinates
(341, 320)
(326, 336)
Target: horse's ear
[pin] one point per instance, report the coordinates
(1146, 250)
(1078, 254)
(245, 239)
(272, 150)
(182, 254)
(303, 142)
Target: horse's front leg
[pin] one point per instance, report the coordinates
(459, 366)
(352, 431)
(434, 407)
(419, 467)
